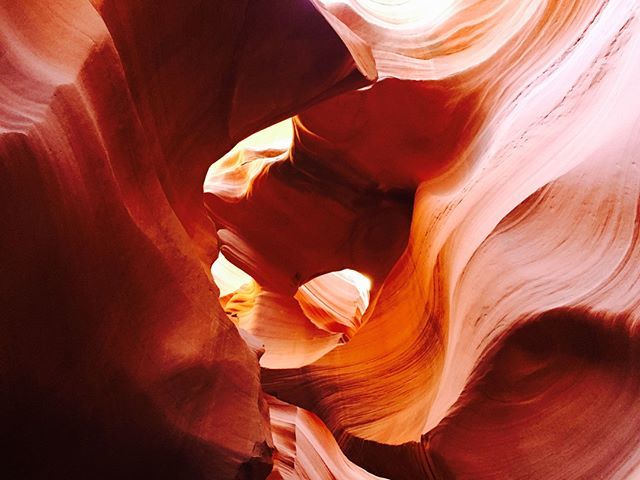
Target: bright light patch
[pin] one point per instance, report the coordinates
(279, 135)
(399, 13)
(231, 176)
(227, 276)
(336, 301)
(358, 280)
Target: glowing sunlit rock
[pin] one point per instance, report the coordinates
(321, 239)
(294, 330)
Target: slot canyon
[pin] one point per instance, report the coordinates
(320, 239)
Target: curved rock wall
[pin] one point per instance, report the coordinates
(439, 277)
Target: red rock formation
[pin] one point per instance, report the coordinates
(305, 448)
(476, 160)
(117, 360)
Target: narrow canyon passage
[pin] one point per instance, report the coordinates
(320, 239)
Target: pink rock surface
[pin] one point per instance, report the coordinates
(439, 277)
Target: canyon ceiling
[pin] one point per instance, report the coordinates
(426, 264)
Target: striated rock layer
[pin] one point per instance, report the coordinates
(117, 360)
(437, 275)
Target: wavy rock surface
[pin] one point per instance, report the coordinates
(294, 331)
(117, 360)
(467, 278)
(306, 448)
(476, 160)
